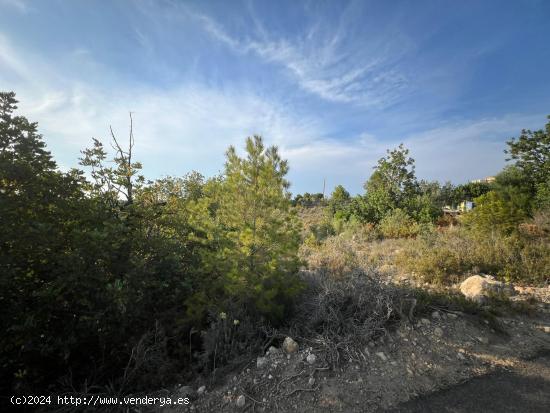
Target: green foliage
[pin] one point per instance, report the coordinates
(308, 200)
(531, 153)
(495, 212)
(398, 224)
(467, 192)
(102, 280)
(542, 198)
(255, 235)
(392, 183)
(339, 201)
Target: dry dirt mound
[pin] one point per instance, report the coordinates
(413, 360)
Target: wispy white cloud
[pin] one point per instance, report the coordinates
(330, 64)
(187, 127)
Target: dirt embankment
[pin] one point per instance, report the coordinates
(439, 352)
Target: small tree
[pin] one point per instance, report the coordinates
(391, 184)
(114, 183)
(531, 153)
(255, 211)
(339, 202)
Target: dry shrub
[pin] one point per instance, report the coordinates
(341, 316)
(311, 217)
(337, 256)
(439, 257)
(356, 230)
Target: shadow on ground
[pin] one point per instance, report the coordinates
(523, 388)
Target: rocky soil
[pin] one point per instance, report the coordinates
(410, 360)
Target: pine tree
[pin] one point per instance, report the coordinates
(255, 212)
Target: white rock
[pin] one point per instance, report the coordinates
(478, 287)
(483, 340)
(311, 381)
(425, 321)
(201, 390)
(382, 356)
(311, 358)
(241, 401)
(290, 346)
(460, 356)
(261, 362)
(438, 332)
(436, 315)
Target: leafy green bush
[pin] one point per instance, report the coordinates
(398, 224)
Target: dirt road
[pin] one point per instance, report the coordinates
(524, 388)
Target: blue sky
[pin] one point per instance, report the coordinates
(332, 83)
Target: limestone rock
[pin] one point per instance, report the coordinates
(290, 346)
(478, 287)
(311, 358)
(241, 401)
(261, 362)
(382, 356)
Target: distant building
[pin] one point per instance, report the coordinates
(463, 207)
(466, 206)
(487, 180)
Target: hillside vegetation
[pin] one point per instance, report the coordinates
(112, 283)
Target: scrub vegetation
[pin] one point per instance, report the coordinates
(113, 283)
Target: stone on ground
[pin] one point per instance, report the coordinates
(241, 401)
(290, 346)
(478, 287)
(261, 362)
